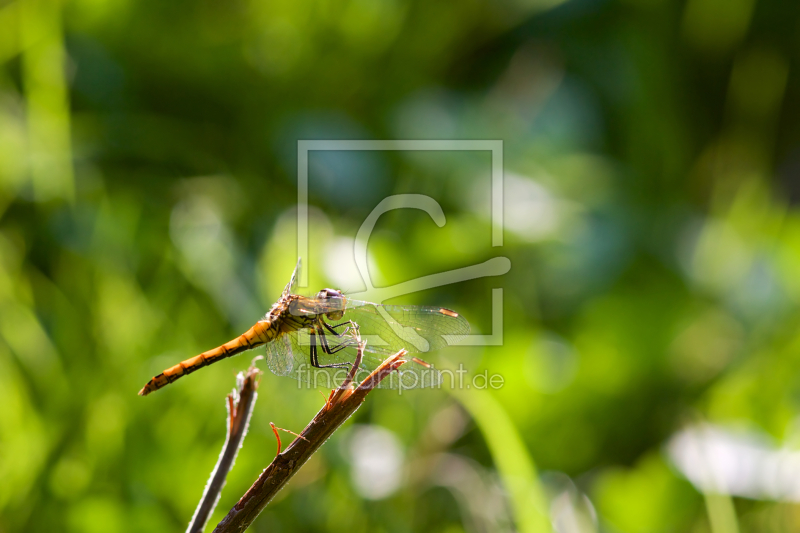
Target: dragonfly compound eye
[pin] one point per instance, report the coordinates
(324, 294)
(335, 301)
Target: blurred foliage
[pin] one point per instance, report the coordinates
(148, 162)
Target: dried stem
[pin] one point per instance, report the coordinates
(240, 407)
(338, 407)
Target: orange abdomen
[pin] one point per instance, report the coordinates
(259, 334)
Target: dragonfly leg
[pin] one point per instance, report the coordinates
(323, 341)
(325, 348)
(350, 326)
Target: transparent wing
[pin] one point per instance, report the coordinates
(388, 328)
(289, 355)
(293, 281)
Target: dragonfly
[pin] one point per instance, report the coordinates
(314, 340)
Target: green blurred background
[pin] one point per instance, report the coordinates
(148, 163)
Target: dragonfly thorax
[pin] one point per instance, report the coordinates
(332, 296)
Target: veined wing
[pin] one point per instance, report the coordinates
(289, 355)
(388, 328)
(293, 281)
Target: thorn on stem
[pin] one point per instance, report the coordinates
(277, 437)
(326, 398)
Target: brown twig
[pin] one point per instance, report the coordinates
(342, 403)
(240, 407)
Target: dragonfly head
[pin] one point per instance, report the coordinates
(327, 294)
